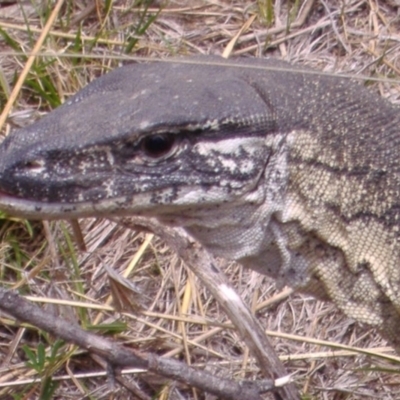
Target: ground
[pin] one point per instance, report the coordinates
(171, 313)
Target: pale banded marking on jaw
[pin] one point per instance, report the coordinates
(229, 147)
(110, 157)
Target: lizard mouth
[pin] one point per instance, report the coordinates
(42, 210)
(34, 209)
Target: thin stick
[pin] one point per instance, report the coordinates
(28, 65)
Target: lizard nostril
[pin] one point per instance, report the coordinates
(34, 165)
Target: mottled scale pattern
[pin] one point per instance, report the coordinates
(291, 172)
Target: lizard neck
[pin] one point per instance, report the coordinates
(247, 229)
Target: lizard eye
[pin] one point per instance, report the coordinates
(157, 145)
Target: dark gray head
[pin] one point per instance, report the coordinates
(161, 130)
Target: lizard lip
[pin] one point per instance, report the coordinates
(33, 209)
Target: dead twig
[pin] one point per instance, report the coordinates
(204, 266)
(119, 356)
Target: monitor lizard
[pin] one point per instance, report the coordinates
(291, 172)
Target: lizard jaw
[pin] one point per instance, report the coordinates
(32, 209)
(39, 210)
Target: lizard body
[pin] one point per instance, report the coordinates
(293, 173)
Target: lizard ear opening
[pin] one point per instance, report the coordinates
(157, 146)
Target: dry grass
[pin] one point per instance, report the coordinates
(179, 318)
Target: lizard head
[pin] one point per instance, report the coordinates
(149, 139)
